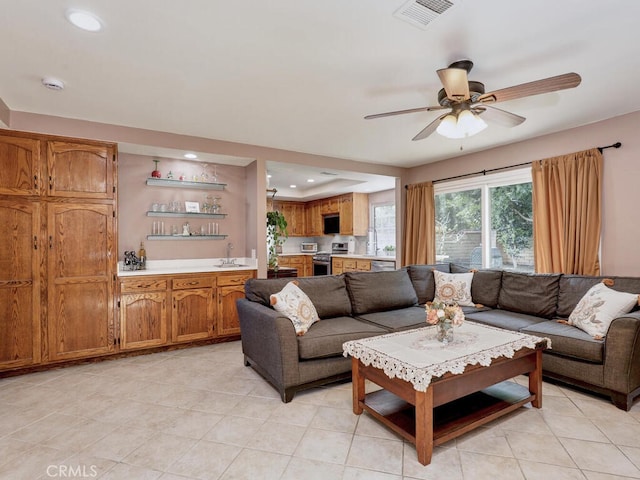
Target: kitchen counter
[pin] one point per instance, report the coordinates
(364, 257)
(193, 265)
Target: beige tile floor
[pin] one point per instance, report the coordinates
(200, 414)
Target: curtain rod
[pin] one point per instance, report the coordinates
(484, 172)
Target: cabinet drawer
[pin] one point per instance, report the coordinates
(350, 264)
(143, 284)
(182, 283)
(363, 265)
(234, 279)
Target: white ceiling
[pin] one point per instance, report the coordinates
(300, 75)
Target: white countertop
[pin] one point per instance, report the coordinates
(344, 255)
(190, 265)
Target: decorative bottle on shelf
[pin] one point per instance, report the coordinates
(142, 257)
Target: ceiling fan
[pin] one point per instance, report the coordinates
(469, 104)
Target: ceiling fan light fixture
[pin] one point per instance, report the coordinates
(470, 124)
(449, 127)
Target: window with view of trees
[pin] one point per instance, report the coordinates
(486, 222)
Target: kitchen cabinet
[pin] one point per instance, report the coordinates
(349, 264)
(20, 256)
(57, 263)
(354, 214)
(314, 218)
(337, 266)
(302, 263)
(330, 205)
(143, 312)
(193, 308)
(80, 280)
(294, 214)
(230, 288)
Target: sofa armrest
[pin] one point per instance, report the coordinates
(622, 354)
(270, 341)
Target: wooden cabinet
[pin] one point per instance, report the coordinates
(302, 263)
(143, 312)
(80, 170)
(193, 308)
(314, 218)
(80, 251)
(20, 252)
(230, 288)
(354, 214)
(330, 205)
(19, 165)
(294, 214)
(58, 262)
(348, 264)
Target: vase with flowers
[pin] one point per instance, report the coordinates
(445, 317)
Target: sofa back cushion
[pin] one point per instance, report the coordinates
(380, 291)
(327, 293)
(574, 287)
(530, 293)
(422, 279)
(485, 287)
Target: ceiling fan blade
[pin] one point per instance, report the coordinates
(428, 130)
(455, 83)
(401, 112)
(546, 85)
(496, 115)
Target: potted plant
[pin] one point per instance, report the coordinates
(276, 236)
(389, 250)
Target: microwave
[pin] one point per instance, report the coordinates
(308, 247)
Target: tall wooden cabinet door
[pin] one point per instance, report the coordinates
(19, 166)
(81, 170)
(20, 247)
(81, 268)
(193, 314)
(346, 215)
(228, 321)
(143, 320)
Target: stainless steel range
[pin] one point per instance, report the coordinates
(322, 263)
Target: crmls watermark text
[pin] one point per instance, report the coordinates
(72, 471)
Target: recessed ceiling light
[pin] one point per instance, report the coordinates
(292, 186)
(84, 20)
(190, 156)
(310, 180)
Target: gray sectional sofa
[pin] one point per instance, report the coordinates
(363, 304)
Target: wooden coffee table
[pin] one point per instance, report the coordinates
(432, 393)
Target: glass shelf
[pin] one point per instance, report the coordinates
(166, 182)
(186, 237)
(186, 215)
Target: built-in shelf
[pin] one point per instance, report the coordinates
(186, 237)
(167, 182)
(186, 215)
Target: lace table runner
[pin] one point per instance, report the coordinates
(416, 356)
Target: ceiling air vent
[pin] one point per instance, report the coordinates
(421, 12)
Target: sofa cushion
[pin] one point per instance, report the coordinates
(504, 319)
(574, 287)
(328, 293)
(529, 293)
(569, 341)
(395, 320)
(294, 304)
(325, 338)
(485, 286)
(453, 288)
(599, 307)
(423, 282)
(379, 291)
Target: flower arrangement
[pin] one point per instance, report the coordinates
(445, 317)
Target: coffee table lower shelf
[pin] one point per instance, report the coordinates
(451, 419)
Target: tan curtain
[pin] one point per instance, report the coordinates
(567, 213)
(419, 225)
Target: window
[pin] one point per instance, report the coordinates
(384, 230)
(486, 222)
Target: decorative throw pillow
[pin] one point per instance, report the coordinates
(599, 307)
(453, 288)
(294, 304)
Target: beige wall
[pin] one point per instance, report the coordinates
(621, 179)
(135, 199)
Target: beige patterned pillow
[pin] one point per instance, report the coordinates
(599, 307)
(453, 288)
(294, 304)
